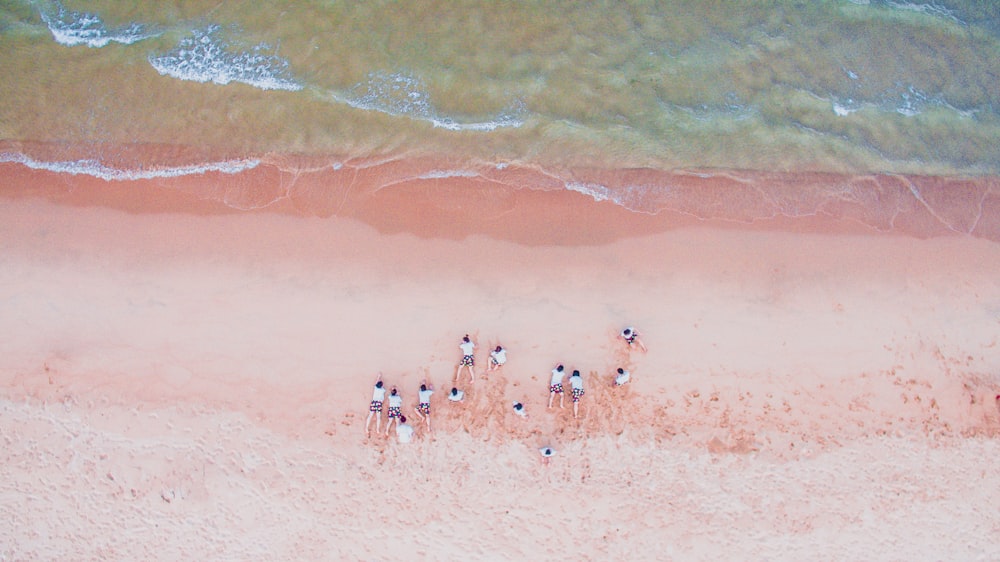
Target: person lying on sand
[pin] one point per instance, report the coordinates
(555, 385)
(375, 409)
(576, 382)
(519, 410)
(423, 410)
(547, 453)
(622, 377)
(404, 431)
(456, 395)
(631, 337)
(395, 408)
(468, 358)
(497, 358)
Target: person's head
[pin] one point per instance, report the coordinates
(402, 419)
(560, 368)
(423, 387)
(576, 373)
(499, 349)
(627, 332)
(621, 371)
(454, 391)
(378, 384)
(393, 391)
(465, 339)
(518, 405)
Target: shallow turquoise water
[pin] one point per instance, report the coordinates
(835, 86)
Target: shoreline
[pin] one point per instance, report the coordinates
(440, 198)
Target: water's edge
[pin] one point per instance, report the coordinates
(458, 198)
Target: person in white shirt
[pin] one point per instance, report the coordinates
(622, 377)
(404, 431)
(555, 385)
(456, 395)
(519, 410)
(375, 408)
(497, 358)
(631, 337)
(576, 382)
(423, 410)
(468, 358)
(395, 408)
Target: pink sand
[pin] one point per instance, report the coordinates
(194, 385)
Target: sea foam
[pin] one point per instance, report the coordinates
(929, 9)
(97, 169)
(205, 57)
(635, 198)
(81, 28)
(404, 95)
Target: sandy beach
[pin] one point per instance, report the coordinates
(180, 380)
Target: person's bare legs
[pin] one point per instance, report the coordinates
(472, 373)
(576, 410)
(389, 425)
(368, 423)
(552, 396)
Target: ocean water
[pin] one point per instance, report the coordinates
(841, 86)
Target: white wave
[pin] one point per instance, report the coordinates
(637, 198)
(81, 28)
(97, 169)
(443, 174)
(912, 102)
(204, 57)
(929, 9)
(595, 190)
(402, 95)
(841, 110)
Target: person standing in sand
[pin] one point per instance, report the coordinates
(622, 377)
(468, 358)
(497, 358)
(423, 410)
(631, 337)
(456, 395)
(404, 431)
(555, 385)
(395, 408)
(576, 382)
(375, 409)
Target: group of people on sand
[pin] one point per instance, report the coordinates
(631, 337)
(498, 357)
(404, 431)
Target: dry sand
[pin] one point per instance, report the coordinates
(193, 384)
